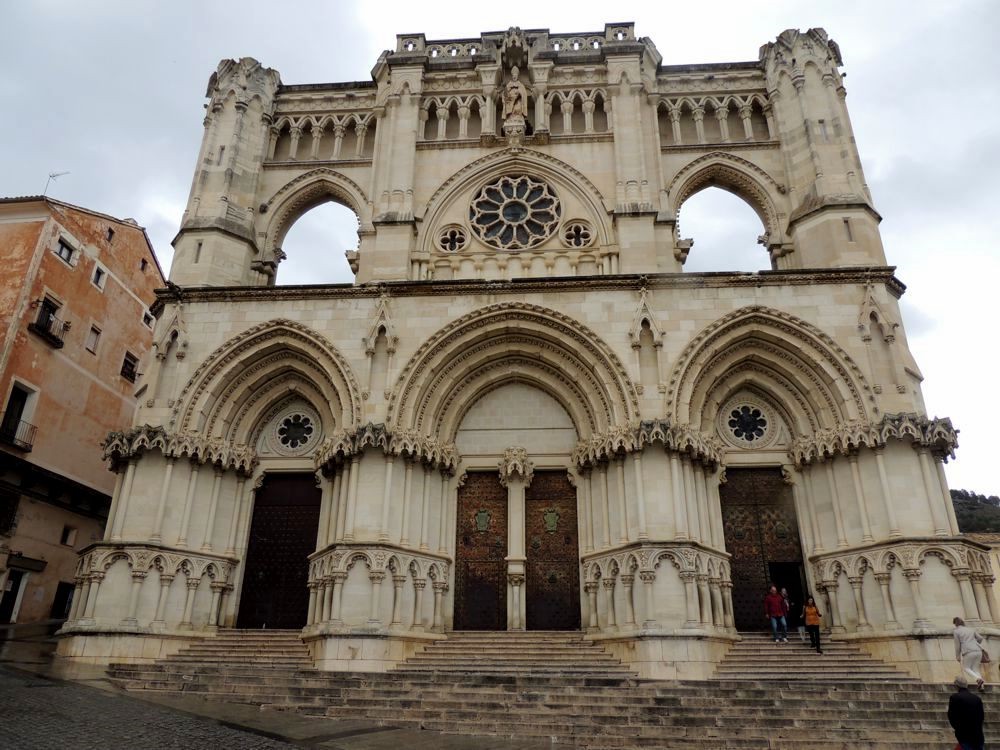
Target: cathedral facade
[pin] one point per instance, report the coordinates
(524, 414)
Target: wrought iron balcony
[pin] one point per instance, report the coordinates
(50, 327)
(15, 431)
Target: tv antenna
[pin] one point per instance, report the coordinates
(52, 177)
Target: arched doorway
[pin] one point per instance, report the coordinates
(315, 246)
(282, 536)
(725, 230)
(762, 534)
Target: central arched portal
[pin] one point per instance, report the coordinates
(275, 590)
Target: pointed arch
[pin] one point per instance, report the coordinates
(509, 342)
(249, 372)
(785, 356)
(739, 176)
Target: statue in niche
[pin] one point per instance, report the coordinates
(515, 104)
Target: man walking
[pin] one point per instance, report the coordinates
(774, 608)
(965, 714)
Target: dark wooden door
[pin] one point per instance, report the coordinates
(762, 535)
(282, 536)
(552, 570)
(480, 567)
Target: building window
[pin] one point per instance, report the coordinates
(68, 536)
(99, 278)
(143, 264)
(49, 325)
(147, 319)
(8, 510)
(65, 251)
(111, 234)
(14, 430)
(130, 367)
(93, 338)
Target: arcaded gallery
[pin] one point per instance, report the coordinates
(524, 414)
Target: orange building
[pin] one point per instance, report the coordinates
(74, 327)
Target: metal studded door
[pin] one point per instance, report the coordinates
(282, 536)
(480, 565)
(552, 570)
(762, 535)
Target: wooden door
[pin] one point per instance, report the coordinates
(762, 535)
(481, 549)
(552, 570)
(282, 536)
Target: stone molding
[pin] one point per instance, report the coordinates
(344, 444)
(515, 462)
(961, 556)
(937, 435)
(643, 559)
(132, 443)
(96, 559)
(633, 438)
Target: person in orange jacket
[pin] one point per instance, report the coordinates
(811, 618)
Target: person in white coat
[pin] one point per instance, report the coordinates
(968, 651)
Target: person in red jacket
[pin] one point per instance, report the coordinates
(774, 608)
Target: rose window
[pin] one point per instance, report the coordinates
(514, 213)
(747, 423)
(295, 430)
(453, 238)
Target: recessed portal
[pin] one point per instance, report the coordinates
(282, 536)
(762, 535)
(552, 570)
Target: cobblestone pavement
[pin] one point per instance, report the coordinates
(44, 714)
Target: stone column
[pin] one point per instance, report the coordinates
(376, 577)
(78, 594)
(213, 613)
(161, 600)
(439, 589)
(883, 580)
(118, 522)
(337, 598)
(326, 599)
(859, 602)
(913, 578)
(835, 617)
(445, 512)
(397, 598)
(704, 603)
(640, 493)
(609, 594)
(213, 506)
(680, 510)
(588, 512)
(344, 474)
(722, 115)
(838, 515)
(116, 496)
(812, 508)
(698, 115)
(648, 578)
(694, 513)
(192, 587)
(675, 125)
(727, 605)
(605, 476)
(745, 112)
(516, 471)
(238, 502)
(690, 599)
(311, 616)
(949, 506)
(866, 527)
(417, 625)
(628, 581)
(588, 116)
(138, 576)
(968, 597)
(352, 498)
(161, 506)
(590, 587)
(425, 509)
(404, 534)
(991, 601)
(622, 502)
(324, 509)
(182, 535)
(705, 515)
(718, 618)
(883, 478)
(293, 150)
(317, 135)
(985, 616)
(932, 488)
(442, 118)
(95, 587)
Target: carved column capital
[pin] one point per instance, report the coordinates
(515, 461)
(647, 576)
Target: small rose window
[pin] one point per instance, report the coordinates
(515, 213)
(295, 430)
(577, 234)
(453, 239)
(747, 423)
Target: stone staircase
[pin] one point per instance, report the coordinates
(758, 657)
(506, 685)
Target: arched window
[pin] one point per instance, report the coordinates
(725, 230)
(315, 244)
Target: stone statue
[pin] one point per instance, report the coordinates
(515, 96)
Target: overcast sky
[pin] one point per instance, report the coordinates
(113, 93)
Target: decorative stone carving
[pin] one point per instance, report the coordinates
(515, 462)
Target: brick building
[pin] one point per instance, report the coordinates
(74, 326)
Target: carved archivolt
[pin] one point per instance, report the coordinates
(269, 349)
(505, 341)
(121, 446)
(805, 356)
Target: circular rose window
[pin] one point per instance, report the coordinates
(295, 431)
(514, 213)
(747, 423)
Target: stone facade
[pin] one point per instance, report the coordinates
(520, 307)
(74, 301)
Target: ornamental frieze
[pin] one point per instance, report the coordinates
(937, 435)
(122, 446)
(344, 444)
